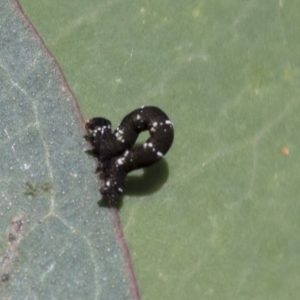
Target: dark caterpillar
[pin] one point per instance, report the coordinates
(114, 150)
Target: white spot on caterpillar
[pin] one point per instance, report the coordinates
(138, 117)
(126, 153)
(120, 190)
(121, 161)
(107, 183)
(97, 130)
(154, 124)
(150, 145)
(159, 154)
(168, 122)
(152, 129)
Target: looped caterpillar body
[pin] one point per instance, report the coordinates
(114, 150)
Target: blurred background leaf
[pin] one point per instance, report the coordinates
(225, 223)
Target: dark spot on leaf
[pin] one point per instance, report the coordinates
(5, 277)
(46, 186)
(16, 229)
(34, 189)
(14, 234)
(11, 237)
(30, 189)
(18, 225)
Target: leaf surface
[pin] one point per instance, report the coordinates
(55, 242)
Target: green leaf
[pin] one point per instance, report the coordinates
(55, 242)
(225, 224)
